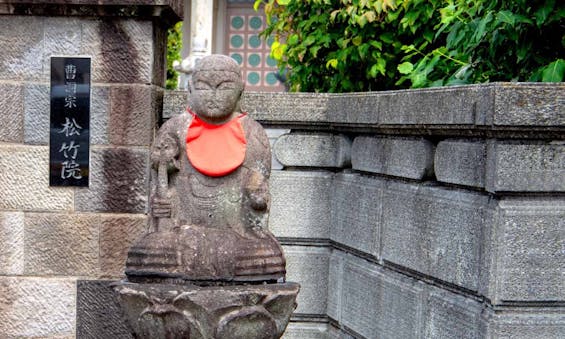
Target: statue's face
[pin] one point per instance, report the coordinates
(214, 94)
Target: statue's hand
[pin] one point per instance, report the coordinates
(161, 207)
(258, 200)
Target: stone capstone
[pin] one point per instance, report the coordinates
(529, 104)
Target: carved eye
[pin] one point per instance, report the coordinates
(199, 85)
(227, 85)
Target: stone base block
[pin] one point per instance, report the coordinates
(187, 311)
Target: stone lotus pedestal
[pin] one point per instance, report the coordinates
(173, 311)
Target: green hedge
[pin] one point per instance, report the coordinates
(363, 45)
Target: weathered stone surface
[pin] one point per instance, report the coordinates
(309, 266)
(530, 261)
(300, 204)
(356, 212)
(61, 244)
(452, 316)
(133, 114)
(380, 303)
(461, 162)
(273, 134)
(335, 284)
(24, 180)
(99, 114)
(529, 104)
(21, 38)
(121, 49)
(11, 111)
(402, 157)
(117, 234)
(457, 105)
(36, 114)
(33, 307)
(62, 36)
(546, 323)
(435, 231)
(525, 166)
(298, 330)
(223, 312)
(98, 313)
(160, 41)
(11, 243)
(313, 150)
(286, 107)
(118, 181)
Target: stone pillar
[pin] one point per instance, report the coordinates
(53, 237)
(199, 37)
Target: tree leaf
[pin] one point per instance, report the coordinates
(331, 63)
(314, 50)
(542, 13)
(405, 67)
(554, 72)
(257, 4)
(506, 17)
(309, 40)
(293, 40)
(357, 40)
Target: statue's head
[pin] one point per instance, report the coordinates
(215, 88)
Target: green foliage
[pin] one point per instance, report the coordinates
(360, 45)
(174, 45)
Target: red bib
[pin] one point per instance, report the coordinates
(216, 150)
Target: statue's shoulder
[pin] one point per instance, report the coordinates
(176, 125)
(254, 130)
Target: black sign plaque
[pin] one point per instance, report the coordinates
(69, 136)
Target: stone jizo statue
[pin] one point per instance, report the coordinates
(209, 198)
(208, 268)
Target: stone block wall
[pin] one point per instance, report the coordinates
(435, 213)
(51, 237)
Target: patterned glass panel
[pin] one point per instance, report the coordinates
(246, 47)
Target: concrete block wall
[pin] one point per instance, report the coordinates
(52, 237)
(435, 213)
